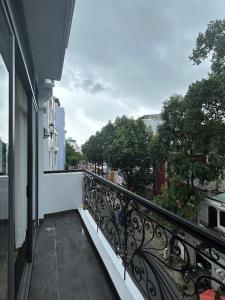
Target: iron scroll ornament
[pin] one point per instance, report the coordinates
(157, 254)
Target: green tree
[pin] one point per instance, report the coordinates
(123, 145)
(176, 199)
(192, 135)
(72, 157)
(212, 42)
(208, 96)
(88, 150)
(93, 149)
(205, 113)
(130, 148)
(108, 132)
(177, 147)
(192, 139)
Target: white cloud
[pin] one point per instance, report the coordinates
(127, 57)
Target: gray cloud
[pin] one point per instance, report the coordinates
(91, 86)
(79, 80)
(127, 57)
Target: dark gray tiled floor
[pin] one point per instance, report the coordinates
(66, 265)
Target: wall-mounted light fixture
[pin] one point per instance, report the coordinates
(50, 132)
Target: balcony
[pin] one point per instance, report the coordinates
(66, 263)
(115, 244)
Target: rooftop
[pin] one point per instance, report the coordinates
(218, 197)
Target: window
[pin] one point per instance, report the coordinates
(222, 218)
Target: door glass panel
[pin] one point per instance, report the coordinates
(4, 139)
(34, 165)
(20, 165)
(21, 142)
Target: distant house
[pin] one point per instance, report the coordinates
(212, 213)
(74, 144)
(152, 121)
(212, 216)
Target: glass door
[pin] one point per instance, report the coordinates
(16, 158)
(21, 180)
(5, 43)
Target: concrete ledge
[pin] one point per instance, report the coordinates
(126, 289)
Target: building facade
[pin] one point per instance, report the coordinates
(60, 128)
(152, 121)
(54, 134)
(72, 142)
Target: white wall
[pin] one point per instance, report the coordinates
(61, 192)
(60, 126)
(3, 197)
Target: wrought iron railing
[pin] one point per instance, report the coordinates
(166, 256)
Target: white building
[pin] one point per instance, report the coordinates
(60, 128)
(54, 133)
(74, 144)
(152, 121)
(212, 213)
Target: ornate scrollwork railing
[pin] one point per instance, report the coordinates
(167, 257)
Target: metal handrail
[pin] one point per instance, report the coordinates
(188, 226)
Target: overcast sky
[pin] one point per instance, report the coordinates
(128, 56)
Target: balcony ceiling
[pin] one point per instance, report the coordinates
(48, 23)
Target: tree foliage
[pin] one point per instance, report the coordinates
(208, 96)
(72, 157)
(123, 145)
(192, 135)
(131, 146)
(176, 199)
(212, 42)
(191, 138)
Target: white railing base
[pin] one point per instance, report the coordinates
(126, 289)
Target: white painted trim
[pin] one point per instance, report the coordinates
(126, 289)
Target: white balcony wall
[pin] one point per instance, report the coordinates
(61, 192)
(4, 197)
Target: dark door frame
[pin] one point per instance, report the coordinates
(11, 154)
(20, 58)
(212, 217)
(30, 181)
